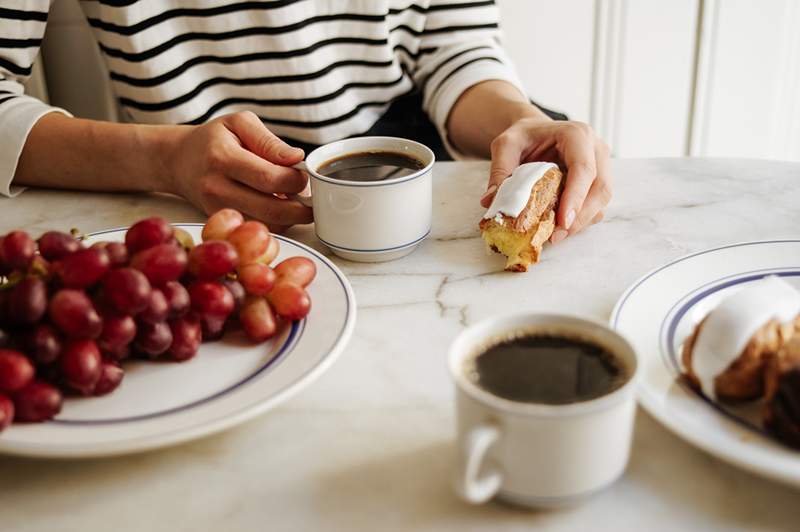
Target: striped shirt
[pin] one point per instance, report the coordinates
(313, 70)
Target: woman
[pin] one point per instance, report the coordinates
(220, 95)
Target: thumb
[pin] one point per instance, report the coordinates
(507, 151)
(255, 137)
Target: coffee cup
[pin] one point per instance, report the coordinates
(532, 454)
(370, 220)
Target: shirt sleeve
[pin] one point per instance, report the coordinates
(21, 30)
(460, 47)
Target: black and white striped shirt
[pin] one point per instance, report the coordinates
(313, 70)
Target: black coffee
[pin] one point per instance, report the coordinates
(552, 370)
(371, 166)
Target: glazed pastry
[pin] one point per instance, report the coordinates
(522, 215)
(782, 394)
(727, 354)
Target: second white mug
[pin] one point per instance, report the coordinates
(532, 454)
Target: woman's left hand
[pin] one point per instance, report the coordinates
(573, 145)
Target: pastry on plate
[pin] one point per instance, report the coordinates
(728, 352)
(782, 394)
(522, 215)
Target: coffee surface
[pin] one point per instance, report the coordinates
(547, 369)
(370, 166)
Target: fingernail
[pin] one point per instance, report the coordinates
(558, 236)
(489, 191)
(288, 152)
(570, 219)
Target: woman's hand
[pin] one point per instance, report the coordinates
(573, 145)
(235, 161)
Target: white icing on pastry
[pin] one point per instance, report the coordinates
(731, 324)
(513, 194)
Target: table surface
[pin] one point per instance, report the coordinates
(368, 446)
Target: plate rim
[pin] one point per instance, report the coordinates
(205, 429)
(649, 402)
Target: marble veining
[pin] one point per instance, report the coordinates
(367, 447)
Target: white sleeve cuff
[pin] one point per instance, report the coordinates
(17, 118)
(454, 87)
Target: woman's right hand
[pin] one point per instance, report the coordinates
(235, 161)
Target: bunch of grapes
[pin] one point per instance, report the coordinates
(70, 314)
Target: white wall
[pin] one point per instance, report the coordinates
(666, 77)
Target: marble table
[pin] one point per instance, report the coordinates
(367, 447)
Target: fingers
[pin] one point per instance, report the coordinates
(599, 194)
(597, 199)
(255, 172)
(577, 149)
(255, 136)
(277, 213)
(506, 154)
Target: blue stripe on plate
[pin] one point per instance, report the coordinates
(295, 333)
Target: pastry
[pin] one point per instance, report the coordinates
(522, 215)
(728, 352)
(782, 394)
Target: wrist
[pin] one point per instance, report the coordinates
(525, 111)
(160, 144)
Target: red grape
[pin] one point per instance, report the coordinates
(290, 301)
(117, 253)
(210, 298)
(186, 338)
(148, 233)
(296, 270)
(16, 371)
(118, 332)
(212, 260)
(6, 412)
(157, 308)
(177, 299)
(83, 268)
(161, 263)
(111, 375)
(81, 365)
(38, 401)
(153, 339)
(221, 224)
(73, 313)
(257, 279)
(54, 245)
(41, 343)
(257, 319)
(251, 240)
(5, 268)
(237, 291)
(127, 289)
(213, 327)
(27, 301)
(17, 250)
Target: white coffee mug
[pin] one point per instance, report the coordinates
(532, 454)
(371, 221)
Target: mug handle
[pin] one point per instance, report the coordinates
(305, 200)
(469, 484)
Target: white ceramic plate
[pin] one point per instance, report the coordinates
(226, 383)
(659, 311)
